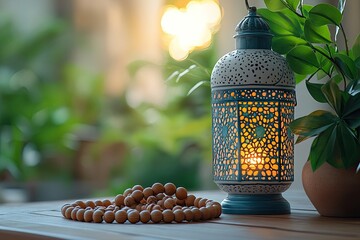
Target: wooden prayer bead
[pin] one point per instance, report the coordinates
(129, 201)
(148, 192)
(151, 199)
(133, 216)
(145, 216)
(127, 192)
(98, 216)
(99, 203)
(205, 213)
(109, 217)
(213, 211)
(137, 187)
(169, 203)
(196, 201)
(158, 188)
(138, 204)
(180, 202)
(176, 208)
(179, 215)
(68, 212)
(106, 202)
(156, 216)
(160, 196)
(88, 215)
(90, 204)
(137, 195)
(202, 202)
(168, 216)
(181, 193)
(81, 204)
(73, 213)
(139, 207)
(188, 215)
(157, 207)
(170, 189)
(196, 214)
(121, 216)
(63, 209)
(189, 201)
(80, 215)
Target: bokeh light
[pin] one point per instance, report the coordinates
(191, 27)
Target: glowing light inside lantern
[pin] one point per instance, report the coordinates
(254, 160)
(191, 27)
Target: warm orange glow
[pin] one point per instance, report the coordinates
(254, 160)
(190, 27)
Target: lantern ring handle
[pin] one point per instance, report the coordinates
(252, 8)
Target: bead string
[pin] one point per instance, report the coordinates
(158, 203)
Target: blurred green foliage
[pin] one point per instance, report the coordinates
(45, 99)
(177, 144)
(35, 114)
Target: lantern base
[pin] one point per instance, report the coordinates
(255, 204)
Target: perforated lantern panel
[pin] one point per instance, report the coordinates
(251, 137)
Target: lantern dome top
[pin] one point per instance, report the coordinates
(252, 67)
(253, 32)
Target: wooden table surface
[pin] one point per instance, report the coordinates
(43, 220)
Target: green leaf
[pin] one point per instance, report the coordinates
(322, 148)
(302, 60)
(323, 14)
(274, 5)
(185, 72)
(197, 85)
(316, 34)
(356, 47)
(293, 3)
(301, 139)
(351, 111)
(306, 9)
(299, 78)
(332, 94)
(325, 65)
(315, 91)
(353, 88)
(353, 119)
(313, 124)
(352, 105)
(357, 62)
(346, 65)
(284, 44)
(283, 23)
(346, 154)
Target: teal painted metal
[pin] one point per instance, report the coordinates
(227, 131)
(255, 204)
(253, 32)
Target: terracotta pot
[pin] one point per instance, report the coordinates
(333, 192)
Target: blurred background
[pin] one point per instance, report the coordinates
(94, 94)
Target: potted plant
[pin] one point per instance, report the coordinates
(301, 33)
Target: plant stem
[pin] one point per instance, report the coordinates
(345, 39)
(333, 61)
(312, 75)
(293, 10)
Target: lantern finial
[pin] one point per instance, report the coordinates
(253, 32)
(252, 8)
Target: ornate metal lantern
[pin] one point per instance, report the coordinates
(253, 100)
